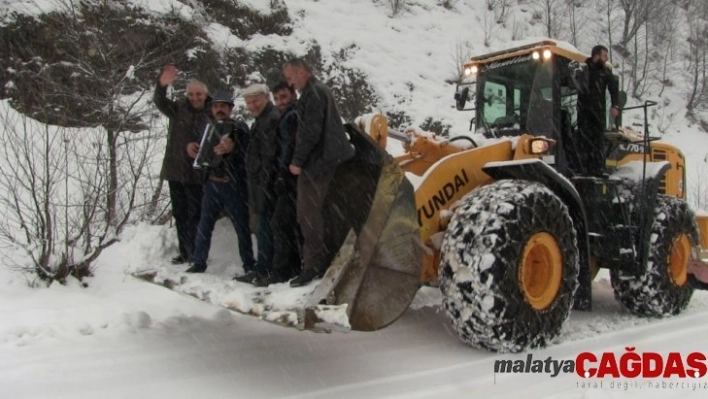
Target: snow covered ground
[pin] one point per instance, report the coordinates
(121, 337)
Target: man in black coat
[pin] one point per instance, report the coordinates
(589, 149)
(261, 170)
(188, 117)
(321, 144)
(286, 230)
(225, 187)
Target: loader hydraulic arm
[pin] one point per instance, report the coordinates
(423, 149)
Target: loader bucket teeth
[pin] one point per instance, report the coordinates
(373, 240)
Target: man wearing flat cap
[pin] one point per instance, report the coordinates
(225, 187)
(261, 170)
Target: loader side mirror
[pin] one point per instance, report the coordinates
(462, 96)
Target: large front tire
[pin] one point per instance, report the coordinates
(662, 289)
(509, 266)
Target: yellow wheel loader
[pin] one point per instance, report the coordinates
(512, 236)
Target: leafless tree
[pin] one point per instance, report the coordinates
(460, 54)
(28, 184)
(53, 191)
(502, 9)
(489, 25)
(576, 20)
(635, 14)
(397, 6)
(665, 40)
(517, 30)
(447, 4)
(551, 13)
(607, 19)
(74, 188)
(640, 64)
(697, 51)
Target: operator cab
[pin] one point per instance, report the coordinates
(523, 90)
(516, 91)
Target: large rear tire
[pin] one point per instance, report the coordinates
(662, 289)
(509, 266)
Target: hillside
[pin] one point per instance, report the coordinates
(66, 62)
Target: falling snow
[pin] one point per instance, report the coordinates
(121, 337)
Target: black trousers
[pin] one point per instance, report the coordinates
(186, 206)
(287, 238)
(311, 214)
(587, 149)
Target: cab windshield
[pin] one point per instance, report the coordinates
(514, 97)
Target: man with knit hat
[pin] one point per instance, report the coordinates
(225, 187)
(261, 170)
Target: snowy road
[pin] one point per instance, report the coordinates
(222, 354)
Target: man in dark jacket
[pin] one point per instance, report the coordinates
(261, 170)
(225, 186)
(286, 230)
(589, 149)
(320, 145)
(188, 118)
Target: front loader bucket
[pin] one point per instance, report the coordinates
(373, 239)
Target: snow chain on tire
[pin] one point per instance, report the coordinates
(481, 266)
(656, 293)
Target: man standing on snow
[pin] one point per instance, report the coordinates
(262, 170)
(188, 117)
(320, 145)
(225, 187)
(286, 230)
(590, 144)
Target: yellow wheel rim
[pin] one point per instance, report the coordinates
(541, 270)
(678, 259)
